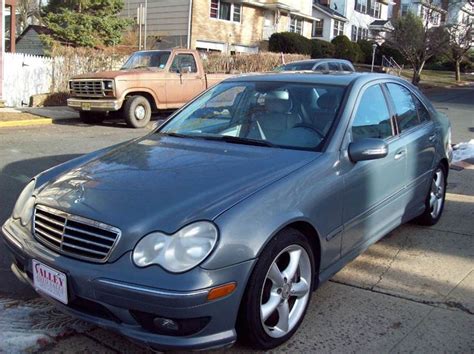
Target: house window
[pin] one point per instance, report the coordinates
(338, 28)
(226, 11)
(404, 9)
(377, 10)
(318, 28)
(296, 25)
(361, 6)
(359, 33)
(354, 33)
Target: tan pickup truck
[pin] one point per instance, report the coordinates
(147, 82)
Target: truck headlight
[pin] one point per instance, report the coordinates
(109, 85)
(179, 252)
(23, 209)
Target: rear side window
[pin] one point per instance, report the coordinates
(333, 66)
(423, 113)
(346, 67)
(322, 67)
(372, 118)
(405, 107)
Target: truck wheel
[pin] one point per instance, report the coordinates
(137, 111)
(91, 117)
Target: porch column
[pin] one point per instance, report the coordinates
(11, 4)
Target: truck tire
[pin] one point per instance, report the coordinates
(91, 117)
(137, 111)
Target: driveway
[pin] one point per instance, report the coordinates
(412, 291)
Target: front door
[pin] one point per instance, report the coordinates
(185, 80)
(372, 188)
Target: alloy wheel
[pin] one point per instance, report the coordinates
(286, 291)
(437, 193)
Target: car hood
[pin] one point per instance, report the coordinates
(163, 183)
(118, 74)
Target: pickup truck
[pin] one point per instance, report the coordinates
(148, 81)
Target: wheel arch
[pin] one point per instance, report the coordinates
(145, 93)
(444, 162)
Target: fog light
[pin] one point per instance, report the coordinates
(165, 324)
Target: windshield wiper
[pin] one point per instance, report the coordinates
(175, 135)
(237, 140)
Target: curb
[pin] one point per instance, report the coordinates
(26, 122)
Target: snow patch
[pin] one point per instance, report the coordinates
(463, 151)
(30, 325)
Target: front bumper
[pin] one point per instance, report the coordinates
(102, 105)
(107, 295)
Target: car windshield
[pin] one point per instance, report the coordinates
(296, 66)
(275, 114)
(154, 59)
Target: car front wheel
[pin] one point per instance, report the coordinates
(278, 291)
(137, 111)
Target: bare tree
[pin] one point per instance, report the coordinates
(417, 40)
(28, 12)
(459, 45)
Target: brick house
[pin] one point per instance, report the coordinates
(222, 25)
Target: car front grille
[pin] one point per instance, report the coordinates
(73, 235)
(88, 88)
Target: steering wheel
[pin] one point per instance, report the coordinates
(310, 127)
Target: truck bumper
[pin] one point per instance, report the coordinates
(103, 105)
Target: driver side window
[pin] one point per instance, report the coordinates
(183, 60)
(372, 118)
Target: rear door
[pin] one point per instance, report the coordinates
(417, 130)
(372, 188)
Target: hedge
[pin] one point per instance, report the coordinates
(288, 42)
(322, 49)
(345, 49)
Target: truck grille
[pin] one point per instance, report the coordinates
(73, 235)
(90, 88)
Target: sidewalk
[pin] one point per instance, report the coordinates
(18, 117)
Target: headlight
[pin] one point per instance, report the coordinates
(179, 252)
(24, 205)
(109, 85)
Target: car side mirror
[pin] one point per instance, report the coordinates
(367, 149)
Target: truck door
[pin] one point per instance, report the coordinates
(187, 82)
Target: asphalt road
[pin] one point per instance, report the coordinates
(412, 291)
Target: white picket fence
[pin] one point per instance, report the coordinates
(25, 75)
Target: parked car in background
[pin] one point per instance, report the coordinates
(148, 81)
(224, 220)
(324, 65)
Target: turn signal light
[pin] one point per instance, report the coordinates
(221, 291)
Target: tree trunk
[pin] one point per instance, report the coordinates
(458, 70)
(417, 69)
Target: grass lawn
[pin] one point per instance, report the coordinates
(435, 78)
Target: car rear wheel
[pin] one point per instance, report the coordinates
(137, 111)
(91, 117)
(435, 198)
(278, 292)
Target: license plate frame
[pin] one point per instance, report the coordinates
(50, 281)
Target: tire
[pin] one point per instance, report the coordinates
(434, 203)
(91, 117)
(263, 293)
(137, 111)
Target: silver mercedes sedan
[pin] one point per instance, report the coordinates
(223, 221)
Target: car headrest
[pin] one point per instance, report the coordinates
(278, 102)
(328, 101)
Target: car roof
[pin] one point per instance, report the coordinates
(340, 79)
(319, 60)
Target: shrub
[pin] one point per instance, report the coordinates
(366, 51)
(288, 42)
(389, 51)
(345, 49)
(322, 49)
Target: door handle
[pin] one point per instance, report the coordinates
(432, 137)
(400, 154)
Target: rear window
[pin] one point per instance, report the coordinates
(297, 66)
